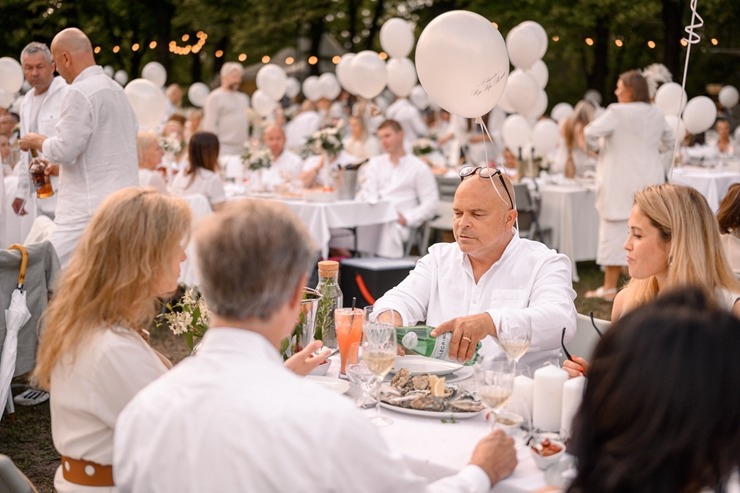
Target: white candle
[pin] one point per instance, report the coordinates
(572, 396)
(548, 397)
(524, 391)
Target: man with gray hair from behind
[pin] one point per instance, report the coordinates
(245, 421)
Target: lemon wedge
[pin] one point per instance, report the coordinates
(437, 385)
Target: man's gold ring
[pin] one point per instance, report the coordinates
(467, 339)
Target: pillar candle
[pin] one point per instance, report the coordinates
(572, 396)
(524, 390)
(548, 397)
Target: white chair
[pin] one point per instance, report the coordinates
(586, 338)
(12, 480)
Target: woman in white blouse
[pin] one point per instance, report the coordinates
(201, 176)
(94, 355)
(360, 143)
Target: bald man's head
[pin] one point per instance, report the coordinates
(72, 53)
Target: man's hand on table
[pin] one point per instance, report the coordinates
(305, 360)
(466, 333)
(496, 455)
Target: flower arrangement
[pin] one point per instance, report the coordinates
(171, 144)
(422, 147)
(188, 316)
(254, 160)
(327, 140)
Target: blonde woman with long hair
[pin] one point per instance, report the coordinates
(94, 355)
(573, 159)
(673, 242)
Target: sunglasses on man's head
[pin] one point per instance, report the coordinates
(489, 173)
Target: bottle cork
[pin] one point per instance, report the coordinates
(328, 268)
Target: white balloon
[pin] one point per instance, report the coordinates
(368, 74)
(271, 80)
(541, 36)
(462, 63)
(11, 75)
(330, 88)
(540, 73)
(397, 37)
(561, 111)
(344, 72)
(401, 76)
(728, 96)
(148, 102)
(539, 108)
(522, 91)
(6, 98)
(197, 94)
(504, 104)
(155, 72)
(677, 125)
(699, 114)
(292, 87)
(670, 98)
(516, 132)
(262, 103)
(419, 97)
(312, 88)
(121, 77)
(545, 136)
(108, 70)
(523, 45)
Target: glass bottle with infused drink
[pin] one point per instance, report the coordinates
(331, 299)
(41, 181)
(417, 340)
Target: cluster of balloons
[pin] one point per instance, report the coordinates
(695, 116)
(397, 39)
(325, 86)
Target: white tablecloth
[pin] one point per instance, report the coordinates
(712, 183)
(569, 210)
(434, 449)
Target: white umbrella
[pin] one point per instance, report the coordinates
(16, 317)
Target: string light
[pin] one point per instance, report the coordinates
(97, 50)
(651, 44)
(556, 38)
(684, 42)
(589, 41)
(382, 55)
(242, 57)
(619, 43)
(135, 47)
(152, 45)
(714, 41)
(116, 49)
(185, 37)
(266, 59)
(495, 24)
(219, 53)
(336, 59)
(313, 60)
(187, 49)
(289, 60)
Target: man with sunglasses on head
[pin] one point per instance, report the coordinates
(488, 277)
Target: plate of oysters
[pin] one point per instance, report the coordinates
(430, 396)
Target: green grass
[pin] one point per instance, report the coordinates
(27, 440)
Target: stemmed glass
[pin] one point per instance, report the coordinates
(514, 336)
(494, 383)
(359, 374)
(379, 354)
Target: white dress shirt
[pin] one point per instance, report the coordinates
(629, 158)
(529, 280)
(89, 392)
(233, 418)
(287, 164)
(152, 179)
(412, 188)
(363, 149)
(225, 114)
(95, 143)
(205, 182)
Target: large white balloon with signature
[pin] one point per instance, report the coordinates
(462, 63)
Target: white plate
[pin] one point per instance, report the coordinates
(420, 364)
(431, 414)
(330, 383)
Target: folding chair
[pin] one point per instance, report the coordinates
(584, 343)
(529, 225)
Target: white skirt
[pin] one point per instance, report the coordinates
(612, 235)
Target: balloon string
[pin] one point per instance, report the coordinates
(691, 39)
(484, 128)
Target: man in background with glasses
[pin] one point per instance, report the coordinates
(488, 277)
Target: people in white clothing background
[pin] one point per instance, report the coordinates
(360, 143)
(150, 155)
(409, 117)
(201, 175)
(94, 141)
(40, 112)
(488, 277)
(286, 165)
(254, 257)
(403, 179)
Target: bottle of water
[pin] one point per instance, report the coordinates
(417, 340)
(331, 299)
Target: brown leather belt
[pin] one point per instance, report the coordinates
(86, 473)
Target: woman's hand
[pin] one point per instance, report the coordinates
(305, 360)
(579, 367)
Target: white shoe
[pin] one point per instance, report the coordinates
(31, 397)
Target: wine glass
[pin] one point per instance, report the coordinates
(359, 374)
(494, 383)
(514, 337)
(379, 354)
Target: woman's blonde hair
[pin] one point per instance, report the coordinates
(696, 258)
(111, 278)
(583, 114)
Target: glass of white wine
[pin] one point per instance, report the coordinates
(494, 383)
(379, 354)
(514, 337)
